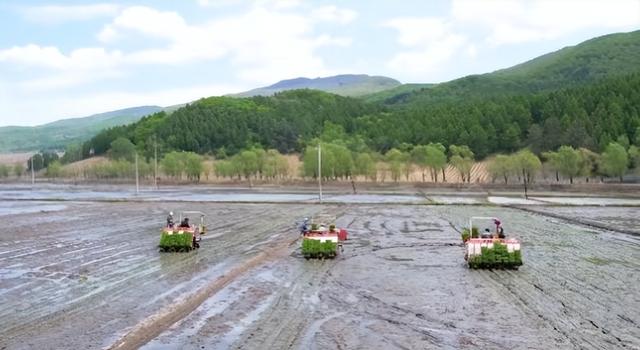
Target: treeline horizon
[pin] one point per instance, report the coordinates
(346, 158)
(589, 117)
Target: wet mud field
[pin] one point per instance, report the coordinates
(87, 275)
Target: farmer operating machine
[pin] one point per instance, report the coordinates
(182, 236)
(490, 249)
(321, 238)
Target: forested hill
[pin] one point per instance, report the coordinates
(225, 124)
(588, 116)
(599, 58)
(585, 116)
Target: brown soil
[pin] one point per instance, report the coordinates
(89, 275)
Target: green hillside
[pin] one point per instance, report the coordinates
(58, 134)
(281, 121)
(397, 93)
(588, 116)
(603, 57)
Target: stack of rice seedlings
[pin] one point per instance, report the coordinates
(176, 242)
(315, 249)
(466, 235)
(497, 257)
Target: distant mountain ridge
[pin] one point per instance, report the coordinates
(60, 133)
(345, 85)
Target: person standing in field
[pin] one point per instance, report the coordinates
(170, 219)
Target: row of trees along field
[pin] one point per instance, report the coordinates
(17, 169)
(345, 158)
(568, 162)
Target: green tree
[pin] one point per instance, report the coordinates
(171, 164)
(261, 155)
(634, 157)
(37, 161)
(528, 164)
(331, 156)
(502, 166)
(365, 166)
(72, 153)
(310, 162)
(614, 160)
(436, 160)
(623, 141)
(224, 168)
(275, 165)
(343, 166)
(590, 163)
(48, 158)
(122, 148)
(553, 161)
(193, 165)
(4, 170)
(570, 162)
(18, 169)
(332, 133)
(247, 162)
(395, 158)
(420, 156)
(462, 160)
(54, 169)
(535, 138)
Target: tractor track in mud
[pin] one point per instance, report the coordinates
(156, 324)
(401, 283)
(576, 220)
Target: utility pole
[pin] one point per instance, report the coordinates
(155, 160)
(33, 174)
(137, 181)
(524, 181)
(320, 171)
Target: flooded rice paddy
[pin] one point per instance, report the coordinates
(80, 275)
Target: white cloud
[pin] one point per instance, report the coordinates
(265, 43)
(151, 22)
(51, 57)
(80, 66)
(430, 43)
(64, 80)
(271, 41)
(332, 13)
(429, 58)
(277, 4)
(519, 21)
(418, 31)
(59, 13)
(472, 51)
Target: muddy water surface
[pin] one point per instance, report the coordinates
(92, 269)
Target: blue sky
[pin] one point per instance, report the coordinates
(74, 58)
